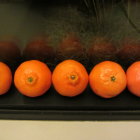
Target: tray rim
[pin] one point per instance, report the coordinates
(70, 115)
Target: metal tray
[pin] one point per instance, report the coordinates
(26, 19)
(52, 106)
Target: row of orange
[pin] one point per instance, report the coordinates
(70, 78)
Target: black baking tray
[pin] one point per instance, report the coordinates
(52, 106)
(27, 18)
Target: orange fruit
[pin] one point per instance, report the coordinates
(129, 47)
(32, 78)
(39, 48)
(70, 78)
(101, 49)
(68, 46)
(133, 78)
(5, 78)
(107, 79)
(10, 53)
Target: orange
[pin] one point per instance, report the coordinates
(133, 78)
(70, 78)
(5, 78)
(107, 79)
(32, 78)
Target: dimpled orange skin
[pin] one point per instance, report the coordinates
(133, 78)
(107, 79)
(32, 78)
(5, 78)
(70, 78)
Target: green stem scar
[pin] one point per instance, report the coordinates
(73, 77)
(30, 79)
(113, 78)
